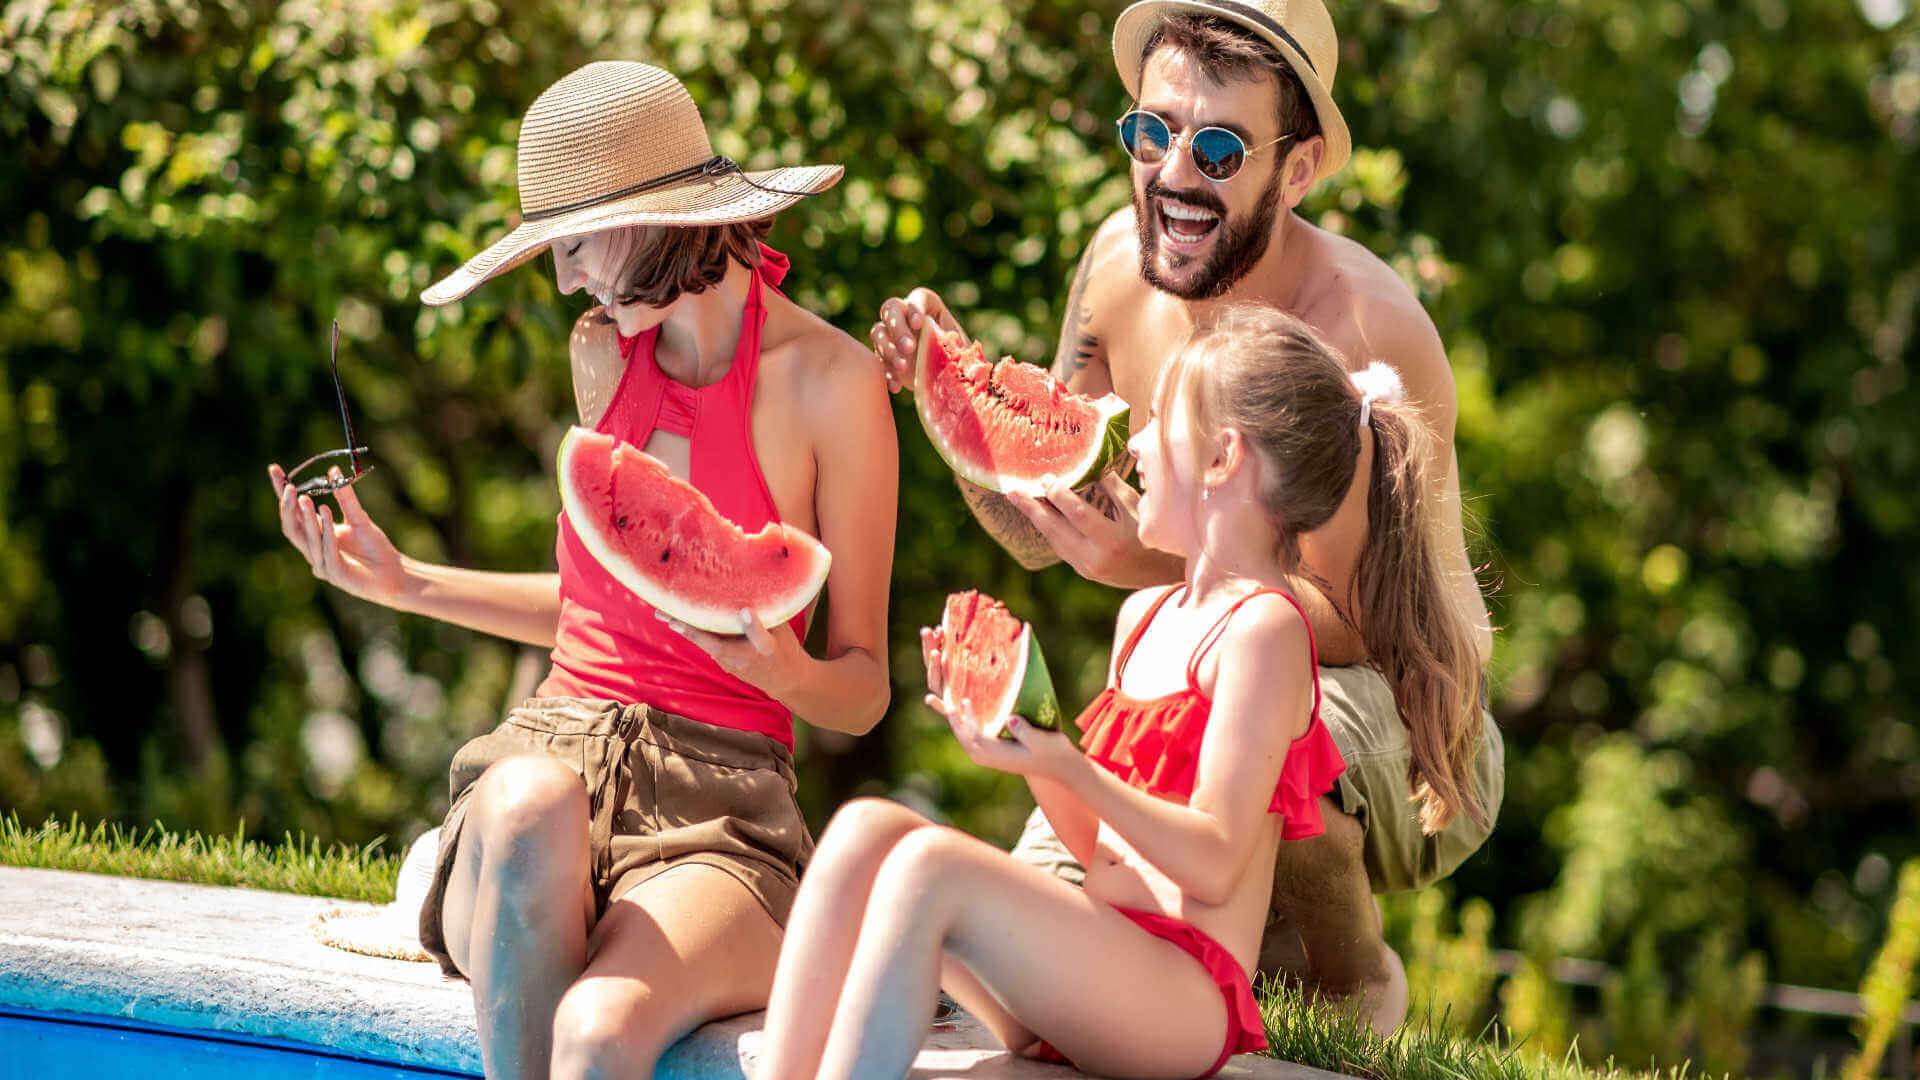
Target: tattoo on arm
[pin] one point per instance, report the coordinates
(1008, 526)
(1078, 344)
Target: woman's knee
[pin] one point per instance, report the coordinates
(605, 1026)
(527, 812)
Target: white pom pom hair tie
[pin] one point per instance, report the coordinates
(1378, 382)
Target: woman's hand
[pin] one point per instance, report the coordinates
(353, 554)
(1030, 752)
(769, 659)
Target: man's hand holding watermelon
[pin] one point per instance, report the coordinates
(1092, 528)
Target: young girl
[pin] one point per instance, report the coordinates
(1202, 755)
(622, 851)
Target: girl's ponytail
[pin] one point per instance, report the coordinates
(1415, 632)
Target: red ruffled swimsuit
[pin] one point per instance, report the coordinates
(1154, 745)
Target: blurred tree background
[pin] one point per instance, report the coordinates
(1672, 245)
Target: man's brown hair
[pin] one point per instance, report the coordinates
(1230, 52)
(663, 261)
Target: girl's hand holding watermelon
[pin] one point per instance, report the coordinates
(1025, 750)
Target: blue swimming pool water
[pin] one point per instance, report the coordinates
(37, 1045)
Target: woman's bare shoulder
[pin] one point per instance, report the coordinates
(809, 353)
(594, 352)
(594, 337)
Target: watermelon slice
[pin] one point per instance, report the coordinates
(990, 661)
(661, 537)
(1008, 426)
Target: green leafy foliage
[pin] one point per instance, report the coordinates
(1890, 981)
(1672, 248)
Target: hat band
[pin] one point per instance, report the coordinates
(713, 166)
(717, 165)
(1265, 21)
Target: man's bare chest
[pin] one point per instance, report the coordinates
(1142, 339)
(1144, 334)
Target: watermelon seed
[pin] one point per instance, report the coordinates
(620, 522)
(665, 553)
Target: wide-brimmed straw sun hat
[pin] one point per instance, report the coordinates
(621, 143)
(1301, 29)
(390, 930)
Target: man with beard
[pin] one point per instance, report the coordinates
(1235, 122)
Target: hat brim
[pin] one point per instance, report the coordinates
(721, 200)
(1137, 23)
(385, 931)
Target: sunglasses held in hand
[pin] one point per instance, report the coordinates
(326, 461)
(1217, 152)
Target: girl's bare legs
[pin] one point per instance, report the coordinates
(518, 906)
(823, 931)
(1116, 999)
(686, 947)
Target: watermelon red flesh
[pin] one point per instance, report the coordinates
(1008, 426)
(992, 667)
(661, 537)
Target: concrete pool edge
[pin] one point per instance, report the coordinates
(241, 960)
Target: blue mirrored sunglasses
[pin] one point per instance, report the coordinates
(1217, 152)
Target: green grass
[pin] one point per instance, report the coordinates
(297, 864)
(1336, 1039)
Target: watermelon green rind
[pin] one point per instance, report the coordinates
(1036, 702)
(771, 611)
(1110, 409)
(1033, 699)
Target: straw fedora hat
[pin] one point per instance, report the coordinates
(620, 143)
(390, 930)
(1301, 29)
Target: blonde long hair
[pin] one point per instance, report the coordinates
(1264, 373)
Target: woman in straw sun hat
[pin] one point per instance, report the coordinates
(621, 853)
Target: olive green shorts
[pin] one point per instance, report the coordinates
(1357, 706)
(662, 791)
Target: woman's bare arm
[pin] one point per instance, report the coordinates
(856, 492)
(519, 607)
(355, 555)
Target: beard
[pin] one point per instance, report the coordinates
(1235, 252)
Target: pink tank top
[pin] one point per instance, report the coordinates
(610, 644)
